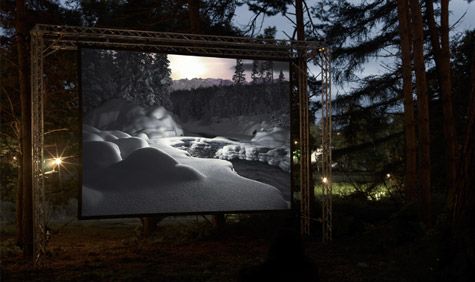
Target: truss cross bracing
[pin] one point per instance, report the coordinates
(48, 39)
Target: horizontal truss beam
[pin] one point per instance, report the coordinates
(70, 38)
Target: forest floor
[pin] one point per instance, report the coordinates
(193, 250)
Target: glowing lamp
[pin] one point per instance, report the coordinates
(325, 180)
(57, 161)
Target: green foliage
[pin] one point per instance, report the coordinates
(379, 192)
(368, 125)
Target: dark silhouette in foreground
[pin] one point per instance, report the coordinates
(286, 261)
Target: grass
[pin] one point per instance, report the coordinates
(342, 189)
(366, 247)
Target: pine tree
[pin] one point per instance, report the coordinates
(268, 74)
(410, 179)
(255, 74)
(281, 76)
(441, 54)
(138, 77)
(239, 77)
(357, 33)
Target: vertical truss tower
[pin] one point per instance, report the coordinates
(48, 39)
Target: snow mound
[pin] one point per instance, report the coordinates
(90, 129)
(98, 155)
(272, 156)
(124, 119)
(128, 145)
(108, 136)
(143, 169)
(225, 149)
(241, 127)
(86, 136)
(163, 179)
(143, 136)
(273, 138)
(154, 127)
(117, 133)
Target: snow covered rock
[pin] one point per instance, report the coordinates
(273, 138)
(98, 155)
(144, 169)
(90, 129)
(117, 133)
(163, 179)
(87, 136)
(118, 115)
(128, 145)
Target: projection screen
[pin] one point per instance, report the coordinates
(182, 134)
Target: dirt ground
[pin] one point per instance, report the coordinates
(193, 250)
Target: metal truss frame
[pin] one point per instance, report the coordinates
(47, 39)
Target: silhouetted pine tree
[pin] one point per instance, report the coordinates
(239, 77)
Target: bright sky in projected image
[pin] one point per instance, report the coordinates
(201, 67)
(189, 67)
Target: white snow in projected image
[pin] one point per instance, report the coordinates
(215, 147)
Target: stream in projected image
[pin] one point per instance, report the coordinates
(249, 161)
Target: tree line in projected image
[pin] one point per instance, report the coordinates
(145, 80)
(228, 101)
(138, 77)
(219, 141)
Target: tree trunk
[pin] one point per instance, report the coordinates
(423, 113)
(194, 16)
(25, 105)
(219, 221)
(304, 116)
(19, 206)
(149, 226)
(442, 62)
(410, 181)
(462, 249)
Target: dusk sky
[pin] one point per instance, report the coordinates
(462, 14)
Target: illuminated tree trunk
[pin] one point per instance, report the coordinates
(25, 106)
(410, 181)
(19, 206)
(423, 112)
(442, 62)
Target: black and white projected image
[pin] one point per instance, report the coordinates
(171, 134)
